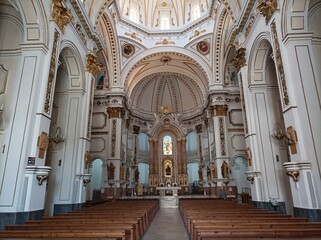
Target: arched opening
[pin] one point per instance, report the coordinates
(240, 167)
(64, 187)
(94, 187)
(271, 150)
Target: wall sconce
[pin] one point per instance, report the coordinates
(289, 135)
(57, 137)
(250, 179)
(278, 133)
(294, 174)
(41, 178)
(86, 181)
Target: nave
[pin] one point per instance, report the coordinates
(204, 219)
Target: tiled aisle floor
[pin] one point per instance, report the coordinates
(167, 225)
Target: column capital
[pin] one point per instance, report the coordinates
(115, 112)
(218, 110)
(199, 128)
(136, 129)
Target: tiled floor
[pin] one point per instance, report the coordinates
(167, 225)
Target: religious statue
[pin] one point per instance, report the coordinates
(136, 174)
(111, 171)
(225, 170)
(122, 171)
(208, 173)
(127, 174)
(200, 173)
(214, 173)
(168, 170)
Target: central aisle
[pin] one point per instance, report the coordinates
(167, 225)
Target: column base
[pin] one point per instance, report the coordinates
(314, 215)
(281, 208)
(9, 218)
(62, 208)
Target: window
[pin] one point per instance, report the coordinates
(196, 12)
(134, 15)
(167, 145)
(164, 23)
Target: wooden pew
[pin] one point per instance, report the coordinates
(206, 219)
(125, 220)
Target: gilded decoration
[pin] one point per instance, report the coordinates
(294, 174)
(197, 33)
(168, 168)
(220, 110)
(164, 42)
(199, 128)
(133, 35)
(239, 60)
(52, 72)
(61, 15)
(115, 112)
(267, 8)
(222, 136)
(279, 65)
(43, 143)
(243, 105)
(93, 65)
(87, 158)
(136, 129)
(128, 50)
(113, 138)
(41, 178)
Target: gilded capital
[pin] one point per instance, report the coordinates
(92, 63)
(61, 15)
(115, 112)
(136, 129)
(239, 60)
(219, 110)
(267, 8)
(199, 128)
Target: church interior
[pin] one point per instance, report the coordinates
(163, 104)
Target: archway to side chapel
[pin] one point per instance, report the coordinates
(65, 187)
(270, 130)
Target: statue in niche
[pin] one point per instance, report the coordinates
(214, 173)
(225, 170)
(136, 174)
(208, 173)
(200, 173)
(127, 174)
(111, 171)
(168, 170)
(122, 171)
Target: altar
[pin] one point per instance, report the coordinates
(164, 190)
(168, 201)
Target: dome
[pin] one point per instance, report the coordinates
(164, 15)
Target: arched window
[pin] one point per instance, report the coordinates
(167, 145)
(164, 24)
(134, 15)
(196, 12)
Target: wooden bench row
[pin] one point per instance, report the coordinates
(209, 219)
(118, 220)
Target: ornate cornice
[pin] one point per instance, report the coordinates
(85, 22)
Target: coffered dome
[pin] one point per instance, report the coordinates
(173, 91)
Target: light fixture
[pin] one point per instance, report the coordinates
(57, 138)
(279, 133)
